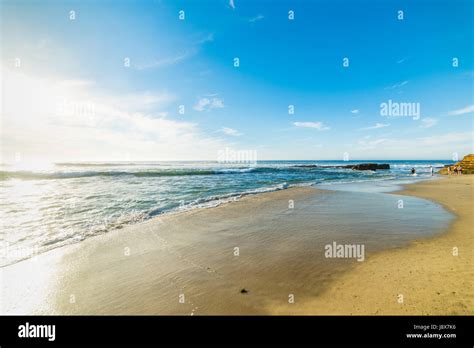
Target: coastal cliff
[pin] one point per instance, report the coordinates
(467, 165)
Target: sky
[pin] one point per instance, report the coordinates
(159, 80)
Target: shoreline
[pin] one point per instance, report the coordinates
(143, 268)
(25, 251)
(232, 198)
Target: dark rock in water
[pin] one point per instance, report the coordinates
(244, 291)
(370, 166)
(362, 166)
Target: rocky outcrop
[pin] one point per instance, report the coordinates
(467, 165)
(361, 166)
(369, 166)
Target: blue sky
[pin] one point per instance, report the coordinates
(108, 111)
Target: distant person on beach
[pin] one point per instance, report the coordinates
(449, 170)
(455, 170)
(413, 171)
(459, 170)
(431, 170)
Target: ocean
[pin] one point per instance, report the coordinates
(68, 202)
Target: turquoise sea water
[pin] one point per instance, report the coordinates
(44, 209)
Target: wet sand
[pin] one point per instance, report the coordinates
(188, 263)
(428, 274)
(147, 268)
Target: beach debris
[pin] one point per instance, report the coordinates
(243, 291)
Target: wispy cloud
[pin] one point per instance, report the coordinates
(449, 138)
(400, 61)
(439, 143)
(365, 144)
(208, 38)
(158, 63)
(107, 126)
(76, 83)
(397, 85)
(232, 4)
(428, 122)
(205, 72)
(256, 18)
(206, 104)
(194, 45)
(376, 126)
(231, 131)
(355, 111)
(316, 125)
(143, 101)
(466, 110)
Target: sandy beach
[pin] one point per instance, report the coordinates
(257, 256)
(432, 280)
